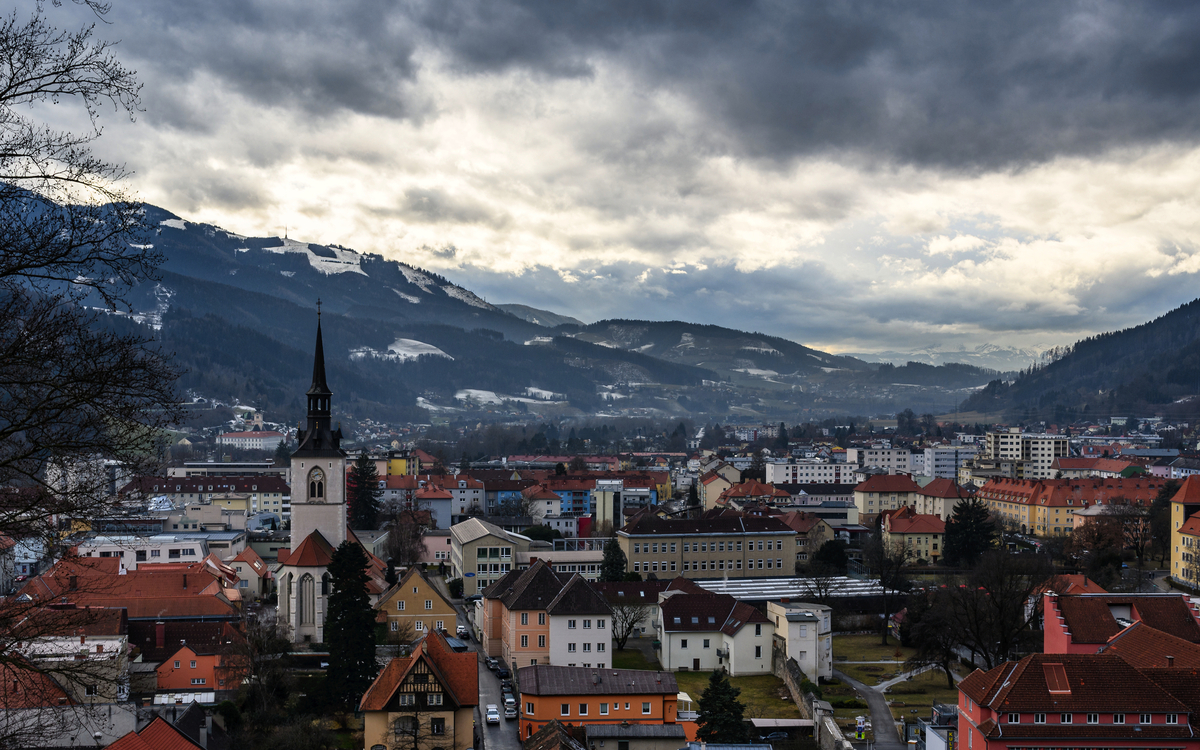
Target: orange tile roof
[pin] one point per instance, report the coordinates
(947, 488)
(1189, 491)
(162, 736)
(754, 488)
(915, 523)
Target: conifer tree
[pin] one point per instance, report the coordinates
(364, 494)
(969, 533)
(349, 627)
(721, 712)
(612, 568)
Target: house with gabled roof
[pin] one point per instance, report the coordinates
(1082, 623)
(580, 625)
(616, 697)
(481, 552)
(921, 534)
(415, 605)
(707, 631)
(423, 701)
(255, 577)
(1073, 700)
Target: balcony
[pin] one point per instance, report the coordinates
(722, 653)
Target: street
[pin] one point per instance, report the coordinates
(503, 736)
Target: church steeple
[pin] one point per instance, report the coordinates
(319, 436)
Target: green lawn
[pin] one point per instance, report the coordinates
(760, 694)
(632, 658)
(920, 693)
(867, 648)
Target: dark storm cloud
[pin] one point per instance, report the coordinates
(951, 84)
(965, 85)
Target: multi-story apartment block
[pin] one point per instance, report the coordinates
(885, 492)
(894, 460)
(943, 462)
(922, 535)
(1048, 506)
(265, 492)
(811, 471)
(1031, 455)
(263, 440)
(941, 496)
(738, 546)
(805, 633)
(484, 549)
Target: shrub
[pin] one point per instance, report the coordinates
(456, 588)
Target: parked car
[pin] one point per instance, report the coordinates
(773, 736)
(506, 686)
(509, 700)
(503, 673)
(492, 714)
(473, 598)
(492, 664)
(462, 631)
(510, 712)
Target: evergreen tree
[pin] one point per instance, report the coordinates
(721, 712)
(969, 533)
(612, 568)
(349, 628)
(364, 494)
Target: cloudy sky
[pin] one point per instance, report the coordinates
(855, 176)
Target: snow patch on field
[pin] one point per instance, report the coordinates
(174, 223)
(407, 297)
(757, 373)
(458, 293)
(539, 340)
(400, 350)
(543, 394)
(289, 274)
(426, 404)
(343, 261)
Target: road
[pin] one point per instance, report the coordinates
(886, 736)
(503, 736)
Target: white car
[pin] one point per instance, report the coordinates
(492, 714)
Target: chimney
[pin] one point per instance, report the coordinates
(1170, 661)
(595, 678)
(185, 580)
(73, 583)
(160, 634)
(206, 729)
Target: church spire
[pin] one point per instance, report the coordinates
(319, 435)
(318, 382)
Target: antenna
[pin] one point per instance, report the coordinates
(318, 308)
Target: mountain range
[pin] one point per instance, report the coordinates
(405, 344)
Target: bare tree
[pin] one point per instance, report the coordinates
(628, 614)
(79, 396)
(991, 615)
(886, 561)
(399, 635)
(262, 660)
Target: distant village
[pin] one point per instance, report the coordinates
(569, 599)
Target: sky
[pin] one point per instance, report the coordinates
(854, 176)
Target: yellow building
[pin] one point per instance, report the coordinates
(424, 701)
(416, 606)
(1185, 532)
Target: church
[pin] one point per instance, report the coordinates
(319, 517)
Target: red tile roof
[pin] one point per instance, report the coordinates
(888, 483)
(313, 552)
(162, 736)
(1090, 617)
(26, 687)
(947, 488)
(906, 521)
(755, 488)
(1090, 678)
(1189, 491)
(1147, 647)
(458, 674)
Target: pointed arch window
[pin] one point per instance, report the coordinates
(306, 602)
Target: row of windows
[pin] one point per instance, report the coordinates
(653, 547)
(419, 625)
(1039, 718)
(564, 709)
(400, 605)
(587, 647)
(410, 699)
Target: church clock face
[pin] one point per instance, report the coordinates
(316, 486)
